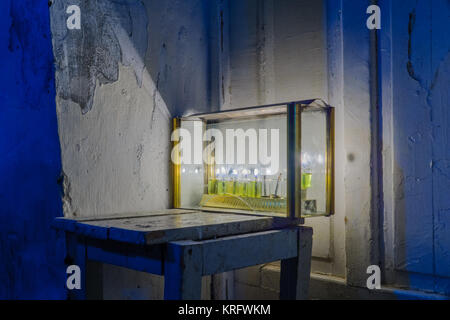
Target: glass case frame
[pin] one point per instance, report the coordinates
(293, 111)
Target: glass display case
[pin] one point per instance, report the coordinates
(275, 160)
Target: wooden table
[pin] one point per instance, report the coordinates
(184, 245)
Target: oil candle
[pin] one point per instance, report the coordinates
(259, 186)
(229, 186)
(306, 180)
(220, 187)
(252, 184)
(212, 186)
(251, 189)
(241, 188)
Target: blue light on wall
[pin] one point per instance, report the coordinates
(31, 253)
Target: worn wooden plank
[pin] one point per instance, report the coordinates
(69, 224)
(64, 224)
(235, 252)
(141, 258)
(201, 226)
(183, 271)
(133, 215)
(295, 272)
(187, 225)
(91, 231)
(162, 229)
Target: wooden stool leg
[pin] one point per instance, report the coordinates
(76, 255)
(295, 272)
(94, 280)
(183, 271)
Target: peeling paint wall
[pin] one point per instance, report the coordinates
(112, 32)
(416, 102)
(132, 66)
(119, 81)
(31, 252)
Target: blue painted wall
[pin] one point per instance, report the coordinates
(31, 253)
(420, 72)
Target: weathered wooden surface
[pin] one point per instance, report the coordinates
(136, 215)
(141, 258)
(295, 271)
(187, 261)
(236, 252)
(170, 226)
(183, 263)
(183, 271)
(184, 245)
(68, 224)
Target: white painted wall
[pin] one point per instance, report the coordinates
(115, 157)
(276, 52)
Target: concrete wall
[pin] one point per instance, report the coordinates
(416, 66)
(31, 253)
(120, 79)
(156, 59)
(275, 52)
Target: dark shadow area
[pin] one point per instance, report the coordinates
(167, 39)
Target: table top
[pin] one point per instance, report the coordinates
(169, 225)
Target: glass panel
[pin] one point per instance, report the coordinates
(246, 165)
(191, 169)
(314, 161)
